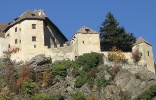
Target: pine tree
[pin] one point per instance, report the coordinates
(113, 35)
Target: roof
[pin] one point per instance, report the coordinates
(86, 30)
(26, 15)
(1, 34)
(56, 28)
(3, 26)
(141, 40)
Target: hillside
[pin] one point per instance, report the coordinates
(87, 78)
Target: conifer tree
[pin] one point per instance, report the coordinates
(113, 35)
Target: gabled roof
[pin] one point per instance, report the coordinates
(86, 30)
(26, 15)
(141, 40)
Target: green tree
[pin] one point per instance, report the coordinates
(113, 35)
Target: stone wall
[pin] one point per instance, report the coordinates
(86, 43)
(3, 46)
(129, 66)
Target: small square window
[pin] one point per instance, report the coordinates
(33, 38)
(33, 26)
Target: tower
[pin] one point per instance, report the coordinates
(146, 53)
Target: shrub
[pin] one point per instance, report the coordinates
(78, 96)
(61, 69)
(28, 87)
(101, 82)
(117, 55)
(148, 94)
(40, 96)
(92, 73)
(90, 82)
(25, 74)
(80, 80)
(136, 56)
(46, 78)
(88, 61)
(54, 97)
(91, 98)
(43, 96)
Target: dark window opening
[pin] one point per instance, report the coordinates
(33, 38)
(16, 29)
(83, 42)
(15, 41)
(32, 14)
(76, 57)
(87, 30)
(148, 53)
(34, 46)
(20, 41)
(33, 26)
(19, 29)
(9, 46)
(8, 35)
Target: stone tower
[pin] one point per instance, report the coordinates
(146, 53)
(85, 40)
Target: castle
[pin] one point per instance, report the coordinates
(33, 33)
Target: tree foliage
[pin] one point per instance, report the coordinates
(113, 35)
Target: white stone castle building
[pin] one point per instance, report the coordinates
(33, 33)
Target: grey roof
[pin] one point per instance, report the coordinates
(3, 26)
(86, 30)
(26, 15)
(141, 40)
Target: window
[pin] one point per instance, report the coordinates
(9, 46)
(33, 26)
(15, 41)
(148, 53)
(33, 38)
(34, 46)
(16, 29)
(32, 14)
(19, 29)
(83, 42)
(87, 30)
(8, 35)
(20, 41)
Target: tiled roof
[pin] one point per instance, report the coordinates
(26, 15)
(141, 40)
(86, 30)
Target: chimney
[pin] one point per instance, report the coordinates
(41, 13)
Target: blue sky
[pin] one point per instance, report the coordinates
(137, 16)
